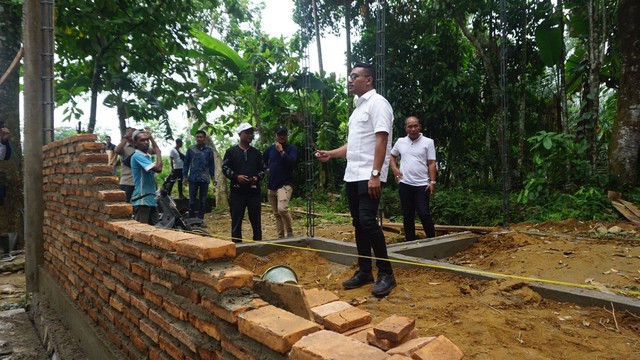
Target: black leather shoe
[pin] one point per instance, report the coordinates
(357, 280)
(383, 285)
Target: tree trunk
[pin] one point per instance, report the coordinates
(95, 88)
(11, 170)
(316, 29)
(625, 139)
(588, 122)
(122, 116)
(564, 118)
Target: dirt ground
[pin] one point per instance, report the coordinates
(487, 319)
(495, 319)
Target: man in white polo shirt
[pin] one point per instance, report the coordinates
(417, 177)
(367, 152)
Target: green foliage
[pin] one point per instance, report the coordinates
(587, 203)
(467, 207)
(559, 164)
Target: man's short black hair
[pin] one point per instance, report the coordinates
(201, 132)
(369, 69)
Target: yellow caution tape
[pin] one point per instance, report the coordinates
(442, 267)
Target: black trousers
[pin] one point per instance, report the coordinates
(177, 176)
(369, 235)
(415, 199)
(146, 214)
(238, 202)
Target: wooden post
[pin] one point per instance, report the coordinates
(33, 141)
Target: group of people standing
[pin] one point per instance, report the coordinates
(369, 153)
(137, 173)
(244, 165)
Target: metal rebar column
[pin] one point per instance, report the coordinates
(48, 103)
(380, 67)
(504, 117)
(308, 132)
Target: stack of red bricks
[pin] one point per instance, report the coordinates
(162, 294)
(395, 336)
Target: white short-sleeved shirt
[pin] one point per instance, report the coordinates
(373, 114)
(177, 160)
(414, 157)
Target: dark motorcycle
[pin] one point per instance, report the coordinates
(170, 215)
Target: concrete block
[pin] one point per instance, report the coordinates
(317, 297)
(440, 348)
(324, 345)
(347, 319)
(274, 327)
(394, 328)
(320, 312)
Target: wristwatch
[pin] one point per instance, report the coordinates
(375, 173)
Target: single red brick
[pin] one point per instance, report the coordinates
(160, 319)
(441, 349)
(187, 292)
(206, 248)
(274, 327)
(168, 239)
(347, 319)
(119, 210)
(318, 297)
(92, 158)
(205, 326)
(394, 328)
(174, 309)
(175, 267)
(326, 344)
(149, 329)
(233, 277)
(409, 347)
(170, 347)
(385, 344)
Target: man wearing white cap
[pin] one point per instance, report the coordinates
(242, 164)
(144, 169)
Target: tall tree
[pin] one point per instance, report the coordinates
(11, 170)
(138, 52)
(625, 139)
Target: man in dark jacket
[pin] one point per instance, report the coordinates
(280, 159)
(199, 170)
(242, 164)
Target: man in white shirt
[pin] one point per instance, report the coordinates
(416, 177)
(177, 164)
(367, 152)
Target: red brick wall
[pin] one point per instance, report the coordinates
(157, 293)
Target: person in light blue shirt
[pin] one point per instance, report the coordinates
(199, 170)
(145, 208)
